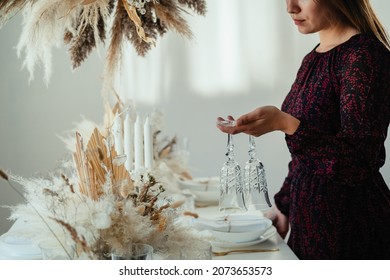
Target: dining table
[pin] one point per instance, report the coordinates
(12, 246)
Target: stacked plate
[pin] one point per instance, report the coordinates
(14, 247)
(235, 231)
(204, 189)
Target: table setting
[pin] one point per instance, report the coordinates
(102, 211)
(264, 244)
(123, 191)
(234, 213)
(268, 246)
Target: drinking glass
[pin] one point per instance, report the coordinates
(232, 194)
(138, 251)
(255, 180)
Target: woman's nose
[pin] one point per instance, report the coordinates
(292, 6)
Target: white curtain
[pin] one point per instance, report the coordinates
(244, 54)
(240, 44)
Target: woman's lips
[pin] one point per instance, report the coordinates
(298, 21)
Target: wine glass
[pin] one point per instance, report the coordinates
(232, 194)
(255, 180)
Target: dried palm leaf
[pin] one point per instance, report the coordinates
(97, 155)
(79, 158)
(96, 162)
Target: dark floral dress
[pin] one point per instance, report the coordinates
(334, 195)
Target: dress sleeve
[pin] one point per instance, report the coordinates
(282, 198)
(364, 118)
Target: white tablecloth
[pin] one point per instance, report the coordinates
(14, 246)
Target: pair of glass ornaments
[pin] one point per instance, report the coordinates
(238, 192)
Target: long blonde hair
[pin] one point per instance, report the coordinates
(360, 15)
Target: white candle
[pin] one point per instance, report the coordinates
(148, 144)
(138, 145)
(117, 131)
(128, 128)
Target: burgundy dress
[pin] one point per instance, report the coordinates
(334, 195)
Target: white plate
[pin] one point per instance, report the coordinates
(205, 189)
(234, 223)
(201, 184)
(18, 248)
(268, 234)
(244, 236)
(206, 198)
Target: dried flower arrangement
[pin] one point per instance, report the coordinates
(82, 24)
(92, 206)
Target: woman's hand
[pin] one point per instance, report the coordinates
(279, 221)
(261, 121)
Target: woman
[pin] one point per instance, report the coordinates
(334, 200)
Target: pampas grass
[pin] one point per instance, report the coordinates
(89, 29)
(8, 8)
(41, 217)
(96, 226)
(45, 22)
(85, 24)
(170, 15)
(94, 206)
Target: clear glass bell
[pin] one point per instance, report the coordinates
(255, 180)
(232, 193)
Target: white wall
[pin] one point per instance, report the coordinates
(31, 116)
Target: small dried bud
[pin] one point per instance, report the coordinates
(141, 209)
(49, 192)
(66, 179)
(192, 214)
(4, 175)
(101, 154)
(177, 203)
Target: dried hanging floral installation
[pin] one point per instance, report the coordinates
(83, 24)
